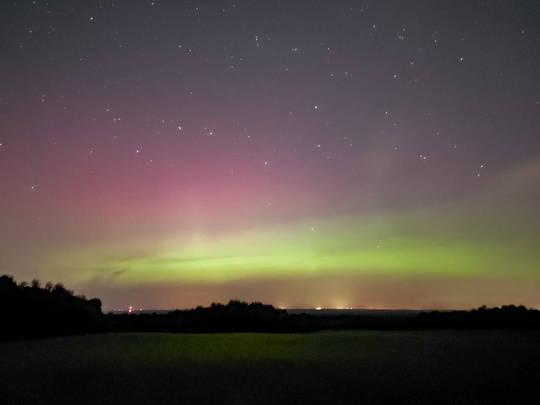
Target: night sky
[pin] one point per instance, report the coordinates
(367, 154)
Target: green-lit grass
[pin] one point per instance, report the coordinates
(333, 367)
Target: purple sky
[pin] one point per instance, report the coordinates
(303, 153)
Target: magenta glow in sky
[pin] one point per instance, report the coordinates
(337, 154)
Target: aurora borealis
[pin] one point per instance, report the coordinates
(366, 154)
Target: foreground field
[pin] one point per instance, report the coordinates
(318, 368)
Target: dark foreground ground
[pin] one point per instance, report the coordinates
(317, 368)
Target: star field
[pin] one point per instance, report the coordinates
(307, 153)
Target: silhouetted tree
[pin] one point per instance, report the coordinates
(96, 303)
(37, 312)
(7, 282)
(506, 317)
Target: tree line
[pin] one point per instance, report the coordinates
(28, 310)
(33, 311)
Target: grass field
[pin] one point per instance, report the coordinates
(318, 368)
